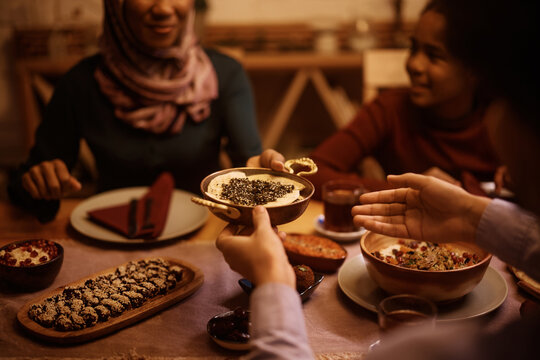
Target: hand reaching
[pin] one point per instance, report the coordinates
(421, 208)
(442, 175)
(49, 180)
(260, 257)
(268, 159)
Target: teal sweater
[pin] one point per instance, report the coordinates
(126, 156)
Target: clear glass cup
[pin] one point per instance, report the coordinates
(339, 197)
(404, 311)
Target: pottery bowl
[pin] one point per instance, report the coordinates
(239, 214)
(439, 286)
(319, 253)
(39, 272)
(230, 329)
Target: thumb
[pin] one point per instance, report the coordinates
(408, 180)
(261, 219)
(277, 165)
(74, 184)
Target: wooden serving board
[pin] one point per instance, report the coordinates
(192, 280)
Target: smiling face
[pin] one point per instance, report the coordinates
(157, 23)
(438, 80)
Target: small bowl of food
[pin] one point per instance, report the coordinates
(306, 282)
(30, 265)
(232, 194)
(439, 272)
(319, 253)
(230, 329)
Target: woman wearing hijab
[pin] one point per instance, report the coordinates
(151, 100)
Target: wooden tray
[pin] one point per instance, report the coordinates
(192, 280)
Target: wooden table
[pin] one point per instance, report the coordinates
(16, 224)
(337, 327)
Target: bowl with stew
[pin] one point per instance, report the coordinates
(29, 265)
(439, 272)
(317, 252)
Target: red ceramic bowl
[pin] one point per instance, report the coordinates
(31, 277)
(319, 253)
(439, 286)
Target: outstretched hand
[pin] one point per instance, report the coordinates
(50, 180)
(438, 173)
(260, 257)
(422, 208)
(268, 159)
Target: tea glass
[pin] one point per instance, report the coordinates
(339, 197)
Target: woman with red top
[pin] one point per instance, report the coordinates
(434, 127)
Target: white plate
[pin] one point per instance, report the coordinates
(488, 295)
(338, 236)
(183, 218)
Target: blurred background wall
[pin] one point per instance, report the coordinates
(55, 15)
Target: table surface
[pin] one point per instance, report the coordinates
(337, 327)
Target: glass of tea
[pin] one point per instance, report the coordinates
(405, 311)
(339, 196)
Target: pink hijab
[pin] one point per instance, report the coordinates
(154, 89)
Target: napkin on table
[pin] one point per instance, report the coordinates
(139, 218)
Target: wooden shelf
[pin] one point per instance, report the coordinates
(297, 60)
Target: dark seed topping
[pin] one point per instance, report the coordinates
(242, 191)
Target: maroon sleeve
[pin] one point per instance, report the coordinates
(339, 156)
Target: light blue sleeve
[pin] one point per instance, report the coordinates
(278, 329)
(512, 234)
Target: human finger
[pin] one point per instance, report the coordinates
(30, 186)
(254, 161)
(37, 177)
(74, 185)
(441, 175)
(244, 230)
(394, 219)
(48, 169)
(385, 196)
(408, 180)
(68, 183)
(499, 179)
(277, 165)
(272, 159)
(379, 209)
(261, 219)
(397, 229)
(226, 235)
(228, 230)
